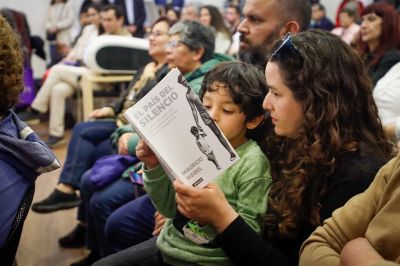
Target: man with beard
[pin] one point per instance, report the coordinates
(266, 21)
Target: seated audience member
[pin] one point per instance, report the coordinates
(86, 3)
(379, 46)
(233, 16)
(59, 20)
(266, 21)
(364, 231)
(172, 13)
(190, 11)
(348, 29)
(239, 88)
(319, 20)
(63, 80)
(23, 156)
(321, 152)
(91, 140)
(356, 5)
(210, 16)
(100, 202)
(134, 16)
(191, 50)
(89, 32)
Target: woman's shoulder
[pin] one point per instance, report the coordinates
(392, 55)
(357, 164)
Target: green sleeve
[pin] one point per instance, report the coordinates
(132, 142)
(252, 201)
(160, 189)
(196, 84)
(118, 132)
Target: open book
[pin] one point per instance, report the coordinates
(176, 126)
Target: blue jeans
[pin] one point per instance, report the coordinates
(130, 224)
(99, 204)
(89, 142)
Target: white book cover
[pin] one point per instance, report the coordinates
(179, 130)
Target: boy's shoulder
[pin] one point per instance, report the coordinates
(250, 150)
(252, 159)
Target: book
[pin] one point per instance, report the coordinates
(187, 142)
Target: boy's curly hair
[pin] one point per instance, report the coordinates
(11, 67)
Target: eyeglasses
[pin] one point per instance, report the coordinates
(174, 43)
(157, 33)
(286, 48)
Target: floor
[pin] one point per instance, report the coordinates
(38, 245)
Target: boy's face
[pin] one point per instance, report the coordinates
(227, 114)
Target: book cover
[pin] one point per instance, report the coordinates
(176, 126)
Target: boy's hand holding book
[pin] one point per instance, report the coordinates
(206, 205)
(146, 155)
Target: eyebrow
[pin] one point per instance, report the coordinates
(270, 87)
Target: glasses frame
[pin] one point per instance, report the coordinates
(172, 44)
(158, 33)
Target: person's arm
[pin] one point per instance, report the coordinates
(245, 247)
(67, 21)
(156, 181)
(240, 242)
(324, 246)
(359, 252)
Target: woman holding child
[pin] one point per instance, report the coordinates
(326, 145)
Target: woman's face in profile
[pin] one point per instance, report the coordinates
(158, 38)
(285, 111)
(181, 56)
(205, 17)
(371, 28)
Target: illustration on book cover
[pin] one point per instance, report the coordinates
(174, 123)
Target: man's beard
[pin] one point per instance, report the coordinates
(253, 57)
(258, 55)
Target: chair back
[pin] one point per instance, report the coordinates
(9, 249)
(111, 54)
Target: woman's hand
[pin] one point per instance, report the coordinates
(123, 143)
(159, 223)
(102, 112)
(146, 155)
(359, 252)
(206, 205)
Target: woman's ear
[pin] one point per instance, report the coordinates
(255, 122)
(199, 53)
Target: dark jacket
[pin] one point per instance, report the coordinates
(23, 157)
(140, 15)
(389, 59)
(354, 173)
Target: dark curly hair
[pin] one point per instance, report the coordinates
(247, 87)
(330, 81)
(11, 67)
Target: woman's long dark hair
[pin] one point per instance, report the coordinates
(330, 81)
(217, 21)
